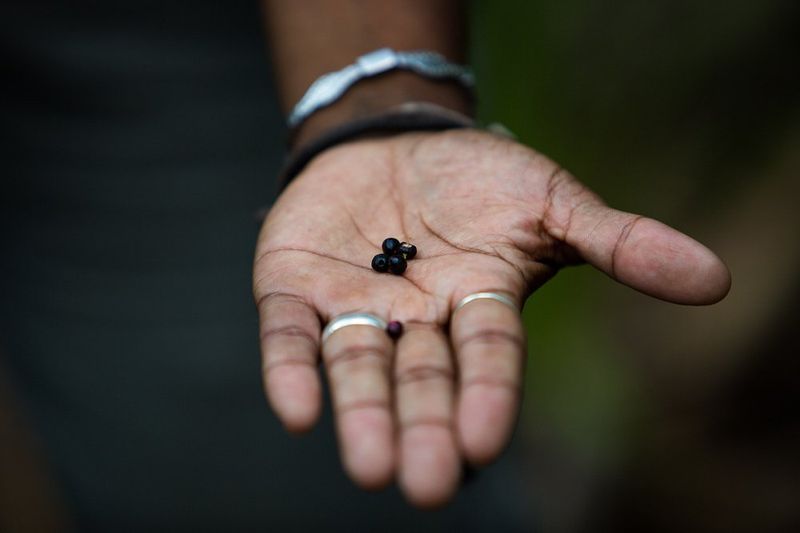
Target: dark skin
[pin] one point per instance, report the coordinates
(311, 37)
(486, 213)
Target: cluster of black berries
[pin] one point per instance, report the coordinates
(394, 256)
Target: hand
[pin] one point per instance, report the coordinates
(486, 214)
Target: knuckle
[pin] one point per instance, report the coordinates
(270, 364)
(622, 239)
(427, 422)
(275, 298)
(493, 381)
(292, 332)
(362, 404)
(491, 337)
(356, 353)
(416, 374)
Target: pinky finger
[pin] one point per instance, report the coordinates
(290, 333)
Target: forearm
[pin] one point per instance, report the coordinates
(311, 37)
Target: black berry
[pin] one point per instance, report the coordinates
(397, 265)
(380, 263)
(394, 329)
(390, 246)
(408, 250)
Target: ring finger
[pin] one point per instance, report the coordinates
(358, 362)
(489, 342)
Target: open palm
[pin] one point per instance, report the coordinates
(486, 214)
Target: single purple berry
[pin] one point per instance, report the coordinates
(394, 329)
(408, 250)
(380, 263)
(390, 246)
(397, 264)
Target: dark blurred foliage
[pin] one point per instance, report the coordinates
(642, 415)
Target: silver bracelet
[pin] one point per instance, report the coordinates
(330, 87)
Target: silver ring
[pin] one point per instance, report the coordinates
(352, 319)
(502, 298)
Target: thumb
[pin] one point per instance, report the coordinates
(640, 252)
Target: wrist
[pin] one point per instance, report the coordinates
(376, 96)
(409, 116)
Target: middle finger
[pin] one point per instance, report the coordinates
(424, 380)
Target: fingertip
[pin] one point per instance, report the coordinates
(300, 419)
(373, 481)
(367, 447)
(486, 417)
(696, 275)
(295, 396)
(430, 466)
(717, 282)
(373, 478)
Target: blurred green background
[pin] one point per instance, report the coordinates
(642, 414)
